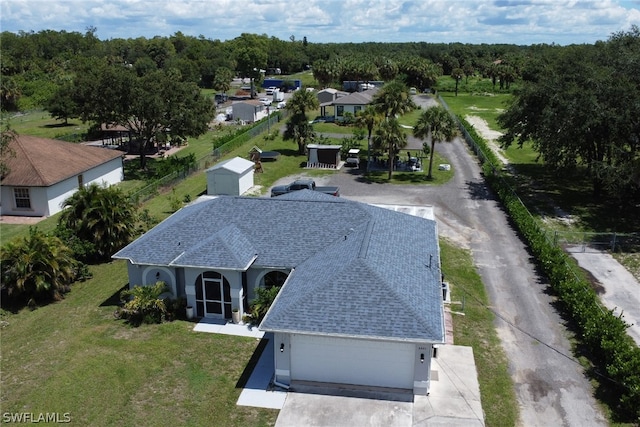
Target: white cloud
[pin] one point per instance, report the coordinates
(467, 21)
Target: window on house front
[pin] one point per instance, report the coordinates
(23, 201)
(356, 109)
(340, 110)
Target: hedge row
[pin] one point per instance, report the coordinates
(601, 333)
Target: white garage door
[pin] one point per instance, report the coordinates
(351, 361)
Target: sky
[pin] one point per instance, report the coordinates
(522, 22)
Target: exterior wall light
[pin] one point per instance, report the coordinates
(281, 347)
(421, 357)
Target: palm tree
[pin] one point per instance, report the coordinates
(298, 128)
(103, 216)
(437, 123)
(457, 74)
(37, 268)
(390, 136)
(367, 118)
(393, 100)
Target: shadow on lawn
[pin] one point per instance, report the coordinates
(114, 300)
(246, 373)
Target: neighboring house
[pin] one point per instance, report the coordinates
(44, 173)
(361, 301)
(231, 177)
(353, 103)
(249, 111)
(326, 97)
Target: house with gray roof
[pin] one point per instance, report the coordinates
(361, 301)
(353, 103)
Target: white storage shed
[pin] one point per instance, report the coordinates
(231, 177)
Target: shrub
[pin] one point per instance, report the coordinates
(260, 305)
(38, 268)
(145, 305)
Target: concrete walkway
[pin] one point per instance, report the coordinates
(258, 391)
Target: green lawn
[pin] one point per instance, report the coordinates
(475, 329)
(73, 356)
(40, 123)
(487, 107)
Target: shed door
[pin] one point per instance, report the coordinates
(352, 361)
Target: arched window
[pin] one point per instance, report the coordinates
(274, 278)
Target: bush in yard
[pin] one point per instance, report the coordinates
(101, 216)
(144, 305)
(37, 269)
(260, 305)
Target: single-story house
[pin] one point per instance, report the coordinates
(44, 173)
(353, 103)
(361, 301)
(231, 177)
(326, 97)
(249, 111)
(323, 156)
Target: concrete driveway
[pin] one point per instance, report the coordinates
(551, 387)
(454, 400)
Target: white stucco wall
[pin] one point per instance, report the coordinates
(47, 201)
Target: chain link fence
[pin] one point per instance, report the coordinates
(151, 190)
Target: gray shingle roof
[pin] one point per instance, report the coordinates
(357, 98)
(359, 270)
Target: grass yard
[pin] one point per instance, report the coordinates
(40, 123)
(488, 107)
(476, 329)
(74, 357)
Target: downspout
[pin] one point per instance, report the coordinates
(279, 384)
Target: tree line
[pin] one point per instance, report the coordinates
(577, 105)
(34, 64)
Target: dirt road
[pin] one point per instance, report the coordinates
(550, 385)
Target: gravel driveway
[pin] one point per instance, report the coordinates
(550, 385)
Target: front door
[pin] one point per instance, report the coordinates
(213, 295)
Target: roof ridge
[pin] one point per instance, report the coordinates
(232, 228)
(27, 154)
